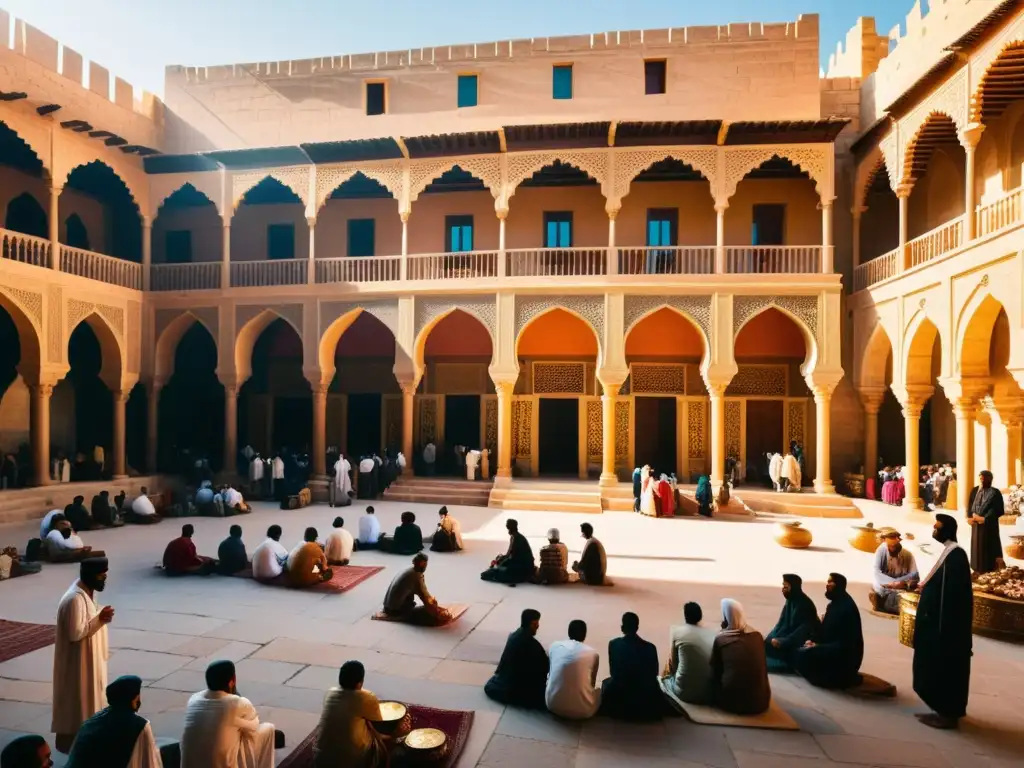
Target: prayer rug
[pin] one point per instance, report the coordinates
(345, 577)
(455, 724)
(775, 718)
(872, 687)
(885, 614)
(17, 639)
(455, 610)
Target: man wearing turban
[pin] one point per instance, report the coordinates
(117, 737)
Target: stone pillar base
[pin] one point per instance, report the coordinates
(608, 479)
(827, 487)
(913, 503)
(318, 488)
(502, 481)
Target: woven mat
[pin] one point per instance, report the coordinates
(455, 610)
(775, 718)
(872, 687)
(17, 638)
(455, 724)
(345, 577)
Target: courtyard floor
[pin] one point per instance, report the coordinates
(288, 646)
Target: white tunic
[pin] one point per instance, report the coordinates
(56, 544)
(268, 560)
(791, 470)
(146, 753)
(143, 506)
(222, 730)
(277, 468)
(79, 661)
(256, 469)
(369, 529)
(571, 691)
(341, 475)
(232, 498)
(366, 465)
(338, 545)
(44, 524)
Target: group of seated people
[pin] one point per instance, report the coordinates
(408, 537)
(222, 502)
(517, 565)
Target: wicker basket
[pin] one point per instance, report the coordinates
(908, 617)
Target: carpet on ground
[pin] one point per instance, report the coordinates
(455, 724)
(455, 611)
(18, 638)
(775, 718)
(344, 578)
(872, 687)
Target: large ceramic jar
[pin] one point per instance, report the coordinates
(793, 535)
(865, 538)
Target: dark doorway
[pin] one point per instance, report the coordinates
(191, 409)
(764, 436)
(655, 428)
(94, 405)
(461, 425)
(364, 413)
(293, 423)
(558, 441)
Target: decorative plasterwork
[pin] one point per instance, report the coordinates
(208, 316)
(296, 179)
(986, 57)
(733, 428)
(291, 313)
(79, 310)
(30, 302)
(815, 159)
(763, 380)
(55, 311)
(483, 308)
(390, 175)
(695, 429)
(629, 163)
(696, 308)
(522, 165)
(657, 379)
(328, 179)
(805, 308)
(890, 152)
(559, 378)
(950, 100)
(590, 308)
(134, 340)
(621, 431)
(384, 310)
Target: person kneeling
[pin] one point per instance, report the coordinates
(64, 546)
(797, 623)
(142, 512)
(448, 537)
(400, 600)
(181, 558)
(346, 735)
(307, 564)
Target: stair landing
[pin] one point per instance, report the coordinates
(807, 503)
(440, 491)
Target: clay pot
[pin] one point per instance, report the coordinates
(793, 536)
(1016, 548)
(865, 538)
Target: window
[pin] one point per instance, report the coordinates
(662, 226)
(76, 235)
(280, 241)
(178, 246)
(467, 90)
(769, 224)
(361, 237)
(561, 81)
(375, 99)
(458, 234)
(558, 229)
(654, 76)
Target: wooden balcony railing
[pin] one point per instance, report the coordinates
(557, 262)
(24, 248)
(773, 259)
(359, 269)
(876, 270)
(1000, 214)
(933, 244)
(675, 260)
(261, 274)
(452, 266)
(97, 266)
(201, 276)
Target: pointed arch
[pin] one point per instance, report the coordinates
(867, 177)
(331, 336)
(815, 161)
(918, 344)
(630, 164)
(485, 169)
(28, 336)
(33, 136)
(420, 346)
(137, 196)
(185, 192)
(705, 341)
(76, 234)
(988, 102)
(249, 334)
(936, 129)
(876, 359)
(25, 214)
(170, 337)
(112, 359)
(572, 313)
(975, 325)
(809, 335)
(522, 166)
(295, 181)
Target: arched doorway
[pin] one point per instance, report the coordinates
(456, 354)
(14, 403)
(99, 213)
(358, 221)
(663, 352)
(557, 354)
(767, 403)
(187, 229)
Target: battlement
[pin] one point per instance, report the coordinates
(864, 49)
(805, 28)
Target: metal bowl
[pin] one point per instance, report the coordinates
(392, 714)
(426, 740)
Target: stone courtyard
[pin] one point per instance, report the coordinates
(288, 646)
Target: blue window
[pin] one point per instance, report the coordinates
(662, 226)
(280, 241)
(467, 90)
(458, 234)
(558, 229)
(561, 85)
(361, 237)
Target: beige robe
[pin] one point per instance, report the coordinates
(222, 730)
(79, 661)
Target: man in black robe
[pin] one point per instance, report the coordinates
(984, 510)
(832, 658)
(231, 554)
(522, 671)
(408, 538)
(30, 751)
(113, 735)
(593, 562)
(942, 632)
(515, 566)
(78, 515)
(632, 692)
(797, 624)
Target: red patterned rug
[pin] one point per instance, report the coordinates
(455, 725)
(17, 639)
(345, 578)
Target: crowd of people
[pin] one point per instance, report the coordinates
(891, 485)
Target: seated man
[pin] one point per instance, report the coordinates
(26, 752)
(104, 514)
(307, 563)
(117, 737)
(593, 563)
(833, 657)
(119, 501)
(517, 564)
(64, 546)
(797, 624)
(632, 691)
(400, 600)
(181, 558)
(78, 515)
(205, 500)
(689, 660)
(142, 512)
(554, 557)
(339, 544)
(895, 571)
(739, 669)
(231, 557)
(346, 733)
(222, 729)
(269, 559)
(408, 538)
(448, 537)
(570, 691)
(369, 531)
(521, 676)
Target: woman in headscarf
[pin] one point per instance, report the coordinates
(649, 493)
(704, 496)
(739, 669)
(797, 623)
(666, 497)
(636, 488)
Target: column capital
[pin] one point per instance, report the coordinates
(231, 386)
(612, 212)
(823, 382)
(311, 221)
(42, 389)
(501, 213)
(121, 395)
(904, 189)
(871, 398)
(964, 388)
(971, 135)
(504, 387)
(611, 379)
(408, 390)
(404, 216)
(721, 207)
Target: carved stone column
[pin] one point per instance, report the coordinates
(872, 401)
(913, 403)
(408, 404)
(320, 432)
(969, 138)
(717, 396)
(903, 195)
(823, 438)
(147, 251)
(54, 221)
(230, 426)
(964, 410)
(153, 389)
(504, 390)
(118, 459)
(39, 428)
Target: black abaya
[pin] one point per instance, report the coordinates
(835, 658)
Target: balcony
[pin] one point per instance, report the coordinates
(185, 277)
(24, 248)
(97, 266)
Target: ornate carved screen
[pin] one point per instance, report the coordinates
(559, 378)
(759, 380)
(522, 426)
(459, 378)
(657, 379)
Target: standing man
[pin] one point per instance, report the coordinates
(117, 737)
(80, 653)
(984, 510)
(942, 632)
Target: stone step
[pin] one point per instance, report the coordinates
(24, 504)
(551, 505)
(512, 495)
(806, 504)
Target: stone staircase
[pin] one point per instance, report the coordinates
(803, 504)
(440, 491)
(24, 504)
(549, 496)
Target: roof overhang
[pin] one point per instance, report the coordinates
(786, 131)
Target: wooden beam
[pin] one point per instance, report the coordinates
(723, 133)
(612, 127)
(501, 140)
(401, 147)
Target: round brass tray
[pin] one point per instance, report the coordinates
(425, 739)
(993, 615)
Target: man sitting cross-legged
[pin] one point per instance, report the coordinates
(408, 539)
(181, 558)
(689, 660)
(142, 512)
(448, 536)
(400, 600)
(78, 515)
(797, 624)
(346, 736)
(307, 563)
(369, 531)
(64, 546)
(522, 672)
(554, 557)
(632, 691)
(895, 571)
(339, 544)
(270, 557)
(104, 514)
(593, 562)
(517, 564)
(571, 691)
(231, 556)
(117, 737)
(222, 729)
(832, 658)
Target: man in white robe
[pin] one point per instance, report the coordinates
(222, 729)
(64, 545)
(369, 531)
(80, 653)
(117, 737)
(775, 469)
(47, 523)
(269, 558)
(429, 457)
(472, 460)
(339, 544)
(341, 486)
(791, 472)
(277, 476)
